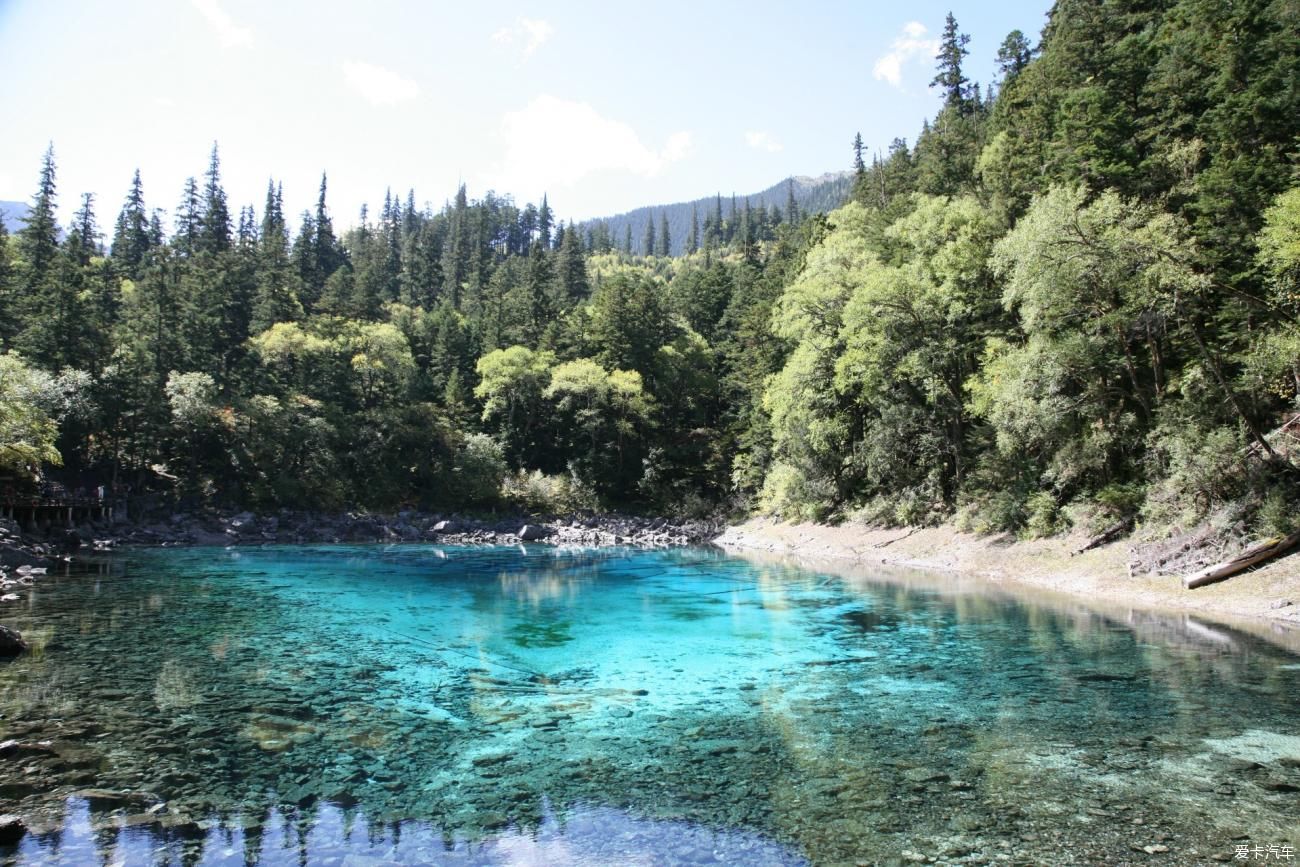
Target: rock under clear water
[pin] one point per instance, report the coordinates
(441, 705)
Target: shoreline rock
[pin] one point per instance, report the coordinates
(288, 527)
(11, 642)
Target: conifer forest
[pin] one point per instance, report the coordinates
(1069, 299)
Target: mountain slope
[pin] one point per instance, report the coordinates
(13, 213)
(819, 194)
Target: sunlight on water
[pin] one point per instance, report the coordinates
(533, 705)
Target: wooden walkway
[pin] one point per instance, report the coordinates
(40, 512)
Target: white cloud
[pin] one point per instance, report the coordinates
(762, 141)
(911, 45)
(377, 85)
(529, 34)
(553, 142)
(230, 34)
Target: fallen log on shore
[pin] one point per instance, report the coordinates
(1252, 556)
(1110, 534)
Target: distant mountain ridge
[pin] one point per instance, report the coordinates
(13, 213)
(820, 194)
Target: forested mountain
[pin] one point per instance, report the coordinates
(1072, 299)
(772, 206)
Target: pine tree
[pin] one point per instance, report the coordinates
(791, 206)
(322, 256)
(949, 77)
(188, 220)
(693, 243)
(8, 313)
(541, 277)
(214, 224)
(573, 268)
(85, 230)
(44, 299)
(648, 239)
(859, 167)
(627, 238)
(1013, 56)
(665, 242)
(545, 218)
(275, 299)
(456, 255)
(38, 240)
(131, 241)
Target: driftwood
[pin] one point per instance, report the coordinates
(1110, 534)
(1252, 556)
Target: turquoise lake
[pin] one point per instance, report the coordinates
(370, 705)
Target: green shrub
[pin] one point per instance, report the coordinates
(1043, 516)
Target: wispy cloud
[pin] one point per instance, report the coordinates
(553, 142)
(761, 140)
(526, 34)
(378, 85)
(228, 33)
(908, 46)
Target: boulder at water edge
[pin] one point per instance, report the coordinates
(11, 643)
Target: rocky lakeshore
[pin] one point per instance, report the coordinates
(247, 528)
(1265, 600)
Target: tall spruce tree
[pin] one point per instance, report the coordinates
(131, 241)
(214, 224)
(952, 50)
(8, 311)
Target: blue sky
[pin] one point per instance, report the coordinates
(605, 107)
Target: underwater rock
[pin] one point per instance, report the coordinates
(924, 775)
(11, 642)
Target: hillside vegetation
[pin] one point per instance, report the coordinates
(1072, 300)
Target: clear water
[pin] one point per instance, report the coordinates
(416, 705)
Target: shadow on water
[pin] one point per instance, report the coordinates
(534, 705)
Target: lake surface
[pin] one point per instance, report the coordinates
(367, 705)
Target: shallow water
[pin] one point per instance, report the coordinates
(368, 705)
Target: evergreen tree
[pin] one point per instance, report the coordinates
(627, 239)
(665, 242)
(859, 167)
(791, 205)
(46, 301)
(85, 231)
(693, 242)
(952, 49)
(573, 268)
(275, 299)
(131, 241)
(648, 239)
(457, 253)
(541, 278)
(545, 218)
(1013, 56)
(214, 222)
(189, 219)
(38, 240)
(8, 311)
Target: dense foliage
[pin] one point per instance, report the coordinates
(1073, 299)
